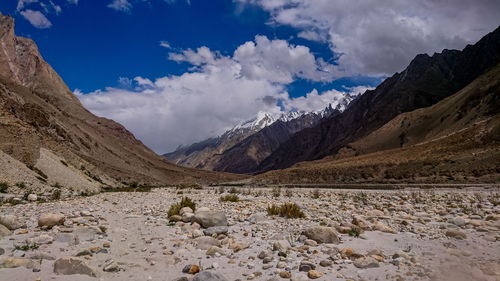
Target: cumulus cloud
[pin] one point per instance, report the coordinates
(36, 18)
(218, 93)
(120, 5)
(381, 37)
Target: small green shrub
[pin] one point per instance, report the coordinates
(176, 208)
(315, 194)
(21, 185)
(354, 231)
(3, 187)
(229, 198)
(27, 246)
(287, 210)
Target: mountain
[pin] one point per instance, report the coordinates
(426, 81)
(454, 140)
(240, 149)
(48, 138)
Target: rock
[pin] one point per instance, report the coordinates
(313, 274)
(49, 220)
(185, 210)
(325, 263)
(310, 242)
(366, 262)
(39, 256)
(205, 242)
(285, 274)
(212, 251)
(257, 218)
(455, 233)
(196, 233)
(281, 246)
(85, 233)
(112, 266)
(69, 238)
(32, 197)
(384, 228)
(209, 275)
(322, 234)
(458, 221)
(10, 262)
(175, 218)
(215, 230)
(4, 231)
(306, 266)
(11, 222)
(187, 217)
(191, 269)
(42, 239)
(69, 266)
(210, 218)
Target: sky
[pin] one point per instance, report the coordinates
(178, 71)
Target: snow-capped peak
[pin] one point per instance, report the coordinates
(263, 119)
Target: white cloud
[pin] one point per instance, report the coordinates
(36, 18)
(22, 3)
(120, 5)
(165, 44)
(219, 92)
(381, 37)
(314, 101)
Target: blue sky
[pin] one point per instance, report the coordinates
(92, 45)
(178, 71)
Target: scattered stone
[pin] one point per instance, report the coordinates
(322, 234)
(306, 266)
(32, 197)
(209, 275)
(455, 233)
(70, 266)
(11, 262)
(210, 218)
(111, 266)
(215, 230)
(366, 262)
(50, 220)
(11, 222)
(4, 231)
(285, 274)
(313, 274)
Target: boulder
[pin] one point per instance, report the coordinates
(11, 262)
(322, 234)
(215, 230)
(210, 218)
(49, 220)
(209, 275)
(11, 222)
(70, 266)
(32, 197)
(4, 231)
(205, 242)
(366, 262)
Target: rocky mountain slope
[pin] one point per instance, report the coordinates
(241, 149)
(426, 81)
(48, 138)
(455, 140)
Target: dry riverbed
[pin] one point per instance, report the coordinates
(345, 235)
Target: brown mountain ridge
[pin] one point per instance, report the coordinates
(48, 138)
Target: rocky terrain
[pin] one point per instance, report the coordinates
(47, 138)
(431, 234)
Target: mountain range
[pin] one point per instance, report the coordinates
(48, 138)
(242, 148)
(377, 122)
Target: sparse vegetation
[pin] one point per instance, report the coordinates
(3, 187)
(189, 186)
(21, 185)
(176, 208)
(27, 246)
(276, 192)
(229, 198)
(56, 194)
(287, 210)
(354, 232)
(233, 190)
(221, 189)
